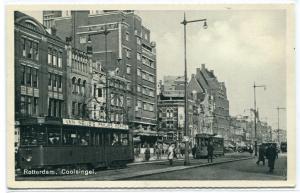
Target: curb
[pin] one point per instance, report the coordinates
(183, 168)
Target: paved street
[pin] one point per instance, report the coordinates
(240, 170)
(161, 170)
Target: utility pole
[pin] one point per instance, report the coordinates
(186, 132)
(255, 115)
(278, 109)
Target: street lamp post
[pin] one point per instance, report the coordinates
(185, 22)
(278, 109)
(255, 114)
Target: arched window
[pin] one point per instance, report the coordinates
(73, 85)
(83, 87)
(78, 86)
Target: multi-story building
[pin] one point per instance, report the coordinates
(79, 76)
(123, 45)
(49, 16)
(216, 90)
(171, 117)
(40, 78)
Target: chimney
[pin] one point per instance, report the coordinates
(198, 70)
(202, 66)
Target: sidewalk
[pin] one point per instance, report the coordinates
(153, 158)
(178, 165)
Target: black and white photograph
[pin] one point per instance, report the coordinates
(151, 96)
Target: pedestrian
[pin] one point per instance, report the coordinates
(261, 154)
(158, 152)
(271, 154)
(210, 152)
(194, 151)
(147, 153)
(171, 154)
(182, 149)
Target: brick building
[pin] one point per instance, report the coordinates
(171, 115)
(209, 84)
(40, 74)
(126, 49)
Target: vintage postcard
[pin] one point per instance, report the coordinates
(151, 96)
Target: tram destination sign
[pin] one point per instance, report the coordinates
(85, 123)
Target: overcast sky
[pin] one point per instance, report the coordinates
(240, 46)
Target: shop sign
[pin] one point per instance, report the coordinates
(85, 123)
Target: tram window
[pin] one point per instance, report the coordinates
(69, 137)
(115, 139)
(54, 136)
(124, 139)
(33, 136)
(83, 137)
(96, 138)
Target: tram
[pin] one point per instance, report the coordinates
(202, 141)
(76, 143)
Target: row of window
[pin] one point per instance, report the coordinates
(148, 62)
(66, 136)
(54, 81)
(54, 58)
(55, 107)
(145, 35)
(146, 76)
(145, 105)
(29, 76)
(78, 86)
(80, 62)
(79, 109)
(145, 91)
(29, 105)
(117, 84)
(115, 117)
(30, 49)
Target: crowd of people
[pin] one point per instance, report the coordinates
(172, 151)
(176, 151)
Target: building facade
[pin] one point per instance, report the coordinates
(40, 89)
(123, 45)
(171, 116)
(217, 94)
